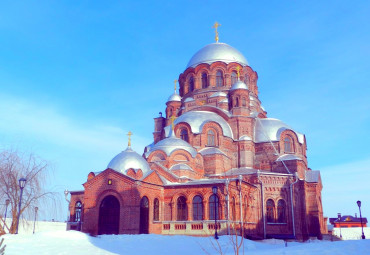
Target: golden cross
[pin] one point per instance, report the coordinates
(238, 71)
(175, 81)
(215, 26)
(129, 134)
(172, 118)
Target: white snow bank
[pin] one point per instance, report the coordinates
(351, 233)
(53, 240)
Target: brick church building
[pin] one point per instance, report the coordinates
(215, 156)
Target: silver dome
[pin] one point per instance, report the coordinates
(239, 85)
(217, 52)
(129, 159)
(197, 119)
(286, 157)
(174, 97)
(171, 144)
(218, 94)
(270, 129)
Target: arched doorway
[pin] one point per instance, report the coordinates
(109, 216)
(144, 216)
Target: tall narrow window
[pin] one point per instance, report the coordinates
(281, 211)
(288, 145)
(204, 81)
(236, 102)
(234, 77)
(191, 84)
(244, 102)
(270, 208)
(182, 209)
(219, 79)
(78, 209)
(233, 206)
(211, 138)
(246, 80)
(214, 206)
(156, 210)
(197, 208)
(184, 134)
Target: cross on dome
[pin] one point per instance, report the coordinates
(215, 26)
(129, 134)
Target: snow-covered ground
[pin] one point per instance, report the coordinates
(51, 238)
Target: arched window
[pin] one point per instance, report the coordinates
(191, 84)
(234, 77)
(233, 206)
(288, 145)
(246, 79)
(182, 209)
(281, 211)
(156, 210)
(204, 80)
(211, 138)
(270, 208)
(184, 134)
(197, 208)
(244, 102)
(219, 79)
(236, 102)
(214, 205)
(78, 210)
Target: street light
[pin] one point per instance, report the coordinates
(22, 183)
(66, 192)
(34, 222)
(214, 191)
(340, 229)
(362, 227)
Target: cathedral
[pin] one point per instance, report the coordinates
(217, 163)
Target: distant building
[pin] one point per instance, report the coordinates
(215, 133)
(348, 221)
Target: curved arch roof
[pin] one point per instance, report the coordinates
(270, 129)
(217, 52)
(197, 119)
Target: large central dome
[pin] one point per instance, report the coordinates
(217, 52)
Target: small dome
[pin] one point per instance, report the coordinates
(219, 94)
(174, 97)
(171, 144)
(189, 99)
(239, 85)
(129, 159)
(217, 52)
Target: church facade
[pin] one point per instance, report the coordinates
(217, 162)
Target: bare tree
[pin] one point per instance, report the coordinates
(15, 165)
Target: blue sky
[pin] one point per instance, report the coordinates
(76, 77)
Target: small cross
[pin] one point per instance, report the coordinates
(172, 118)
(215, 26)
(129, 134)
(238, 71)
(175, 81)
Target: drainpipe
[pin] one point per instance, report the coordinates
(291, 202)
(228, 207)
(263, 205)
(241, 202)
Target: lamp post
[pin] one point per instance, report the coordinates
(34, 222)
(66, 192)
(362, 227)
(214, 191)
(22, 183)
(340, 229)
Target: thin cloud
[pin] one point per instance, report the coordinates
(45, 123)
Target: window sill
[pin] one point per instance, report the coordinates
(276, 223)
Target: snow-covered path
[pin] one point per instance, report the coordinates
(56, 240)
